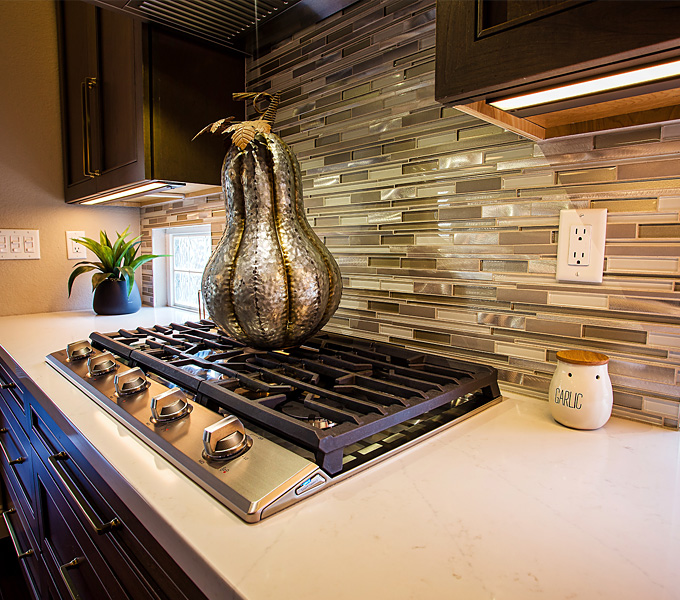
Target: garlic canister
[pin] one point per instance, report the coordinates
(580, 393)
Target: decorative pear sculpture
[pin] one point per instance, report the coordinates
(270, 283)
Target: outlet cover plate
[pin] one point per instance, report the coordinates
(75, 251)
(573, 223)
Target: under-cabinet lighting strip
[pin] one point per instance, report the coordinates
(129, 192)
(609, 82)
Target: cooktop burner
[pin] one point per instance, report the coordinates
(311, 415)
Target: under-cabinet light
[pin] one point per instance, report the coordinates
(133, 191)
(601, 84)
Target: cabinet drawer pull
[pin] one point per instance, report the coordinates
(8, 386)
(89, 83)
(78, 497)
(63, 570)
(15, 461)
(21, 554)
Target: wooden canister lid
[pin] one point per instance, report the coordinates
(582, 357)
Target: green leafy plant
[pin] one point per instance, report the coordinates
(117, 261)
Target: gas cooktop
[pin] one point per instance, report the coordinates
(261, 430)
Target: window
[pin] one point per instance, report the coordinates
(189, 249)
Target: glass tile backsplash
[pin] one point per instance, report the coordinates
(445, 227)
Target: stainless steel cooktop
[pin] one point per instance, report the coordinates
(261, 430)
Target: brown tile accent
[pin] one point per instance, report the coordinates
(386, 307)
(586, 175)
(397, 240)
(365, 325)
(419, 70)
(365, 43)
(357, 91)
(364, 240)
(422, 116)
(338, 116)
(621, 230)
(650, 169)
(340, 33)
(352, 177)
(624, 138)
(381, 261)
(641, 205)
(458, 264)
(361, 197)
(553, 327)
(665, 230)
(509, 238)
(478, 185)
(431, 336)
(366, 152)
(398, 146)
(335, 159)
(460, 212)
(418, 263)
(522, 296)
(414, 310)
(610, 333)
(419, 215)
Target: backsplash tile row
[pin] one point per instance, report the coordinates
(446, 228)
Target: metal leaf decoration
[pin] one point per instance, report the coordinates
(244, 133)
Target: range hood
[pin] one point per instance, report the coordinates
(244, 25)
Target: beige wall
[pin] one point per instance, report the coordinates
(31, 179)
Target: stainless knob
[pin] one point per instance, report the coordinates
(225, 439)
(101, 364)
(169, 406)
(79, 350)
(130, 382)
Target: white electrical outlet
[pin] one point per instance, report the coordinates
(580, 248)
(580, 239)
(74, 250)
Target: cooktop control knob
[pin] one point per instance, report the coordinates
(79, 350)
(170, 406)
(101, 364)
(130, 382)
(225, 439)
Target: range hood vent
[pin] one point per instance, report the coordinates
(219, 21)
(232, 23)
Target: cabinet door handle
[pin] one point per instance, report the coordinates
(8, 386)
(63, 570)
(89, 83)
(16, 461)
(78, 497)
(21, 554)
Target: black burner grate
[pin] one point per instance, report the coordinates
(336, 396)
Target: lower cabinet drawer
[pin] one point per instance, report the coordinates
(75, 565)
(16, 458)
(25, 545)
(13, 394)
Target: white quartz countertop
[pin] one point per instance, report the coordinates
(508, 505)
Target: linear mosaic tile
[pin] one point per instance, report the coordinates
(445, 227)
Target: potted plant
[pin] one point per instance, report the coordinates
(113, 283)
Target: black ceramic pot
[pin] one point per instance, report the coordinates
(111, 298)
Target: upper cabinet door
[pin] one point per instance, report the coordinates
(101, 98)
(78, 43)
(490, 48)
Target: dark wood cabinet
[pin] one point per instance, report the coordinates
(133, 96)
(490, 49)
(74, 536)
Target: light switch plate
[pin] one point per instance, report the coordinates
(580, 247)
(74, 250)
(17, 244)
